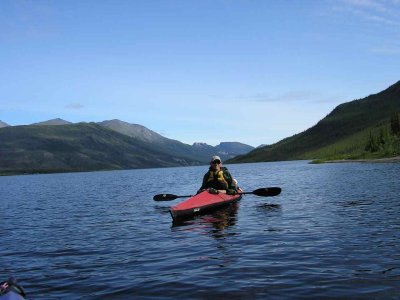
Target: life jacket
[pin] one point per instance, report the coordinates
(217, 180)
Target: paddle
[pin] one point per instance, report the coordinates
(263, 192)
(168, 197)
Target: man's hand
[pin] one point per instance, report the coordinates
(231, 192)
(213, 191)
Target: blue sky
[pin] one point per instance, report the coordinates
(195, 71)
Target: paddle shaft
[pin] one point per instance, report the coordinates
(168, 197)
(263, 192)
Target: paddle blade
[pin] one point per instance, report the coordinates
(164, 197)
(267, 192)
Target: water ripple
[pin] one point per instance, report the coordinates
(333, 233)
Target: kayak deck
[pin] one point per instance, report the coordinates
(202, 203)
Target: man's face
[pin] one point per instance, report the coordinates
(216, 165)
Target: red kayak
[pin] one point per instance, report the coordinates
(202, 203)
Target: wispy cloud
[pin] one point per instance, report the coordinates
(395, 50)
(74, 106)
(290, 96)
(384, 12)
(368, 4)
(378, 20)
(27, 19)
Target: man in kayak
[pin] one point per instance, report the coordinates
(218, 179)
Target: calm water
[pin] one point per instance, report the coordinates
(333, 233)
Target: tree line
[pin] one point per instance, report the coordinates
(388, 138)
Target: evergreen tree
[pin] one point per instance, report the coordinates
(372, 145)
(383, 137)
(395, 123)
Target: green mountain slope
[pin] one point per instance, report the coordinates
(76, 147)
(198, 151)
(56, 121)
(345, 130)
(157, 141)
(133, 130)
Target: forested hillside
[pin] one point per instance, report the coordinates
(344, 133)
(60, 146)
(76, 147)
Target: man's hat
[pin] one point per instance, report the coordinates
(216, 157)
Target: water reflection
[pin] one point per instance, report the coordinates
(354, 203)
(214, 223)
(269, 206)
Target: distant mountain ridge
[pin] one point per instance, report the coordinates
(133, 130)
(60, 146)
(56, 121)
(342, 133)
(76, 147)
(3, 124)
(197, 151)
(233, 148)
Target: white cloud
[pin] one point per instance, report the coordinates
(27, 20)
(380, 12)
(368, 4)
(74, 106)
(300, 96)
(377, 22)
(387, 50)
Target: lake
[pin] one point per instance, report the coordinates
(333, 233)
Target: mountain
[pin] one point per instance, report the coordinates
(157, 141)
(3, 124)
(133, 130)
(200, 152)
(232, 149)
(56, 121)
(342, 133)
(108, 145)
(197, 152)
(77, 147)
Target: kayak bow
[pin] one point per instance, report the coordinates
(202, 203)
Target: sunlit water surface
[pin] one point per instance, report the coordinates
(333, 233)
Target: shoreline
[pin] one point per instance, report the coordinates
(395, 159)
